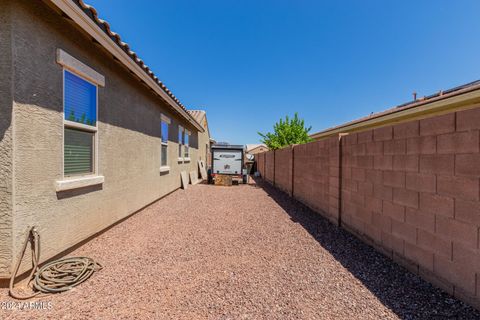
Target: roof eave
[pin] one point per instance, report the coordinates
(256, 148)
(90, 27)
(442, 104)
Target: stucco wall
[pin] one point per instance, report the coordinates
(128, 128)
(203, 145)
(6, 168)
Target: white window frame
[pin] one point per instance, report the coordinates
(180, 142)
(86, 73)
(186, 158)
(164, 119)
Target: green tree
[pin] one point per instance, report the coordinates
(71, 117)
(287, 132)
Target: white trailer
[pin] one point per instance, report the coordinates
(227, 159)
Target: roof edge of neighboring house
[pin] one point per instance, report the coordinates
(86, 17)
(460, 97)
(228, 146)
(256, 147)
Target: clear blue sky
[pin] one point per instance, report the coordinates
(249, 63)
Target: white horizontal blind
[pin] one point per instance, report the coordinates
(78, 152)
(164, 161)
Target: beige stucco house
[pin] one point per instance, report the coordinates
(88, 133)
(204, 138)
(255, 148)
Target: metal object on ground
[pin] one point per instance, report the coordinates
(56, 276)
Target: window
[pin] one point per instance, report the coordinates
(80, 111)
(186, 144)
(181, 136)
(164, 148)
(80, 125)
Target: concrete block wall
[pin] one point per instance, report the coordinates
(284, 169)
(334, 179)
(270, 166)
(411, 190)
(260, 160)
(315, 178)
(309, 172)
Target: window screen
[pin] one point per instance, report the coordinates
(78, 152)
(80, 100)
(180, 140)
(164, 155)
(186, 145)
(164, 149)
(164, 132)
(80, 107)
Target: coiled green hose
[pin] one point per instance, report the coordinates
(55, 276)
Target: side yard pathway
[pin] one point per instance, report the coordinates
(241, 252)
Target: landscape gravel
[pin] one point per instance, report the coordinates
(240, 252)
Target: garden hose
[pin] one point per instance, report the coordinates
(55, 276)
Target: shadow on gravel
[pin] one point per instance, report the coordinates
(405, 293)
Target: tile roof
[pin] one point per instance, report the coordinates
(105, 26)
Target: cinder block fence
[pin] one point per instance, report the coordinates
(411, 190)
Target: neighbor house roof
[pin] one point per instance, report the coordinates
(228, 146)
(250, 147)
(86, 17)
(441, 101)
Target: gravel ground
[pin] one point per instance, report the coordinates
(242, 252)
